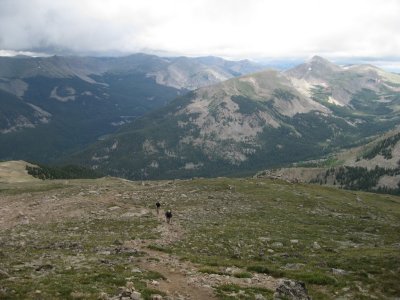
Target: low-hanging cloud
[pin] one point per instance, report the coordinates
(230, 28)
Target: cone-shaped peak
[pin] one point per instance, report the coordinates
(319, 61)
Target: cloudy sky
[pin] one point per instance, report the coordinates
(230, 28)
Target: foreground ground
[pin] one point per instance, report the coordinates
(229, 239)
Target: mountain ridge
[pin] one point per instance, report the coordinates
(70, 102)
(254, 120)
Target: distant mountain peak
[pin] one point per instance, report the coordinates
(317, 58)
(320, 62)
(316, 67)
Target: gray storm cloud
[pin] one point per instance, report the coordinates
(230, 28)
(64, 24)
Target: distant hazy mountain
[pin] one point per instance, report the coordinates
(52, 105)
(253, 122)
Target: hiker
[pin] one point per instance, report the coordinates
(168, 216)
(158, 207)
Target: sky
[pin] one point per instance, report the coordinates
(236, 29)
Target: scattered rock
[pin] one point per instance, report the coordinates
(259, 297)
(290, 289)
(136, 270)
(294, 241)
(125, 250)
(396, 245)
(264, 239)
(103, 296)
(155, 282)
(3, 274)
(127, 293)
(316, 246)
(339, 271)
(112, 208)
(236, 253)
(156, 297)
(277, 245)
(130, 286)
(78, 295)
(248, 280)
(136, 295)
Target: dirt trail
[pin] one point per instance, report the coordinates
(178, 283)
(183, 280)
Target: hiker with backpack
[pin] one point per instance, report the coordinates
(168, 216)
(158, 205)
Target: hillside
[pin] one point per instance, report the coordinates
(374, 166)
(69, 102)
(15, 172)
(229, 239)
(253, 122)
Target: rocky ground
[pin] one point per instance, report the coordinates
(228, 239)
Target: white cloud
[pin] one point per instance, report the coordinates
(230, 28)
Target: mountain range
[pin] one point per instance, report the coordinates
(252, 122)
(51, 106)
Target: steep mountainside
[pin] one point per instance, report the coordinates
(56, 104)
(374, 166)
(253, 122)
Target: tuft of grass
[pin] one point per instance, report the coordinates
(233, 291)
(211, 271)
(266, 270)
(316, 278)
(159, 248)
(153, 275)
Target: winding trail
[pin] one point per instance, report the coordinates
(183, 280)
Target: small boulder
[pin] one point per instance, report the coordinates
(103, 296)
(316, 246)
(136, 270)
(277, 245)
(112, 208)
(136, 296)
(264, 239)
(339, 271)
(291, 289)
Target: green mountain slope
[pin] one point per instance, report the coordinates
(56, 105)
(253, 122)
(374, 166)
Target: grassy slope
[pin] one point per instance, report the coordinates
(227, 222)
(354, 235)
(15, 171)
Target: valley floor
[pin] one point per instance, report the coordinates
(229, 239)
